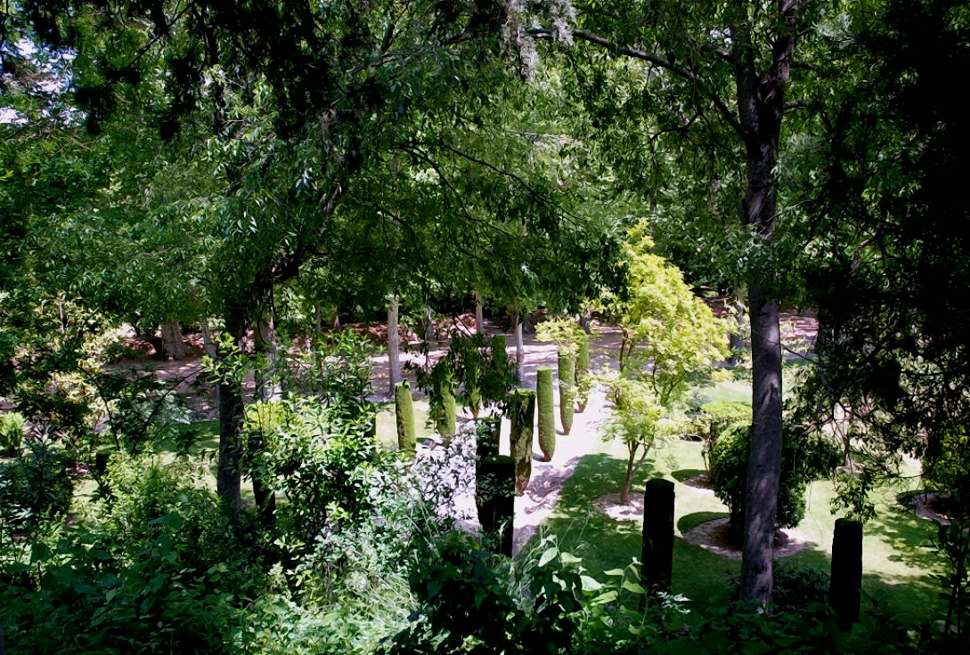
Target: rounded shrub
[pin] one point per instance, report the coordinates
(547, 419)
(803, 459)
(407, 439)
(715, 417)
(522, 410)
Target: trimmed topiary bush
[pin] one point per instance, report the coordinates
(547, 419)
(447, 419)
(567, 390)
(803, 459)
(522, 410)
(583, 380)
(407, 440)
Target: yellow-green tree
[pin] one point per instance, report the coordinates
(669, 334)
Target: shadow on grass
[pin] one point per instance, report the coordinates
(710, 580)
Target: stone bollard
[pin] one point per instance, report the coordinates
(522, 415)
(658, 535)
(845, 590)
(495, 499)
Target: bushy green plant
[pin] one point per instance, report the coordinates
(33, 487)
(547, 417)
(158, 568)
(564, 332)
(438, 383)
(803, 459)
(482, 370)
(636, 421)
(11, 432)
(714, 418)
(325, 466)
(567, 390)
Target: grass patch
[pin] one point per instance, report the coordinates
(898, 566)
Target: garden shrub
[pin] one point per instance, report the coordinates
(547, 418)
(33, 487)
(327, 468)
(11, 432)
(567, 390)
(407, 440)
(157, 569)
(803, 460)
(717, 416)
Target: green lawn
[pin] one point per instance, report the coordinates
(897, 563)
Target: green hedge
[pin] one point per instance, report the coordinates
(547, 418)
(447, 420)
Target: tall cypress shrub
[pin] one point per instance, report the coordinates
(547, 419)
(407, 440)
(567, 389)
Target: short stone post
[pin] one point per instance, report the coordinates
(658, 535)
(495, 499)
(845, 590)
(522, 415)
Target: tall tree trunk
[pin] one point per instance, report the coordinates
(428, 325)
(519, 346)
(393, 344)
(761, 107)
(229, 467)
(267, 390)
(173, 346)
(479, 316)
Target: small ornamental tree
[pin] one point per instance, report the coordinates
(670, 336)
(547, 419)
(482, 369)
(636, 421)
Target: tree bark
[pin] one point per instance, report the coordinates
(207, 342)
(519, 346)
(393, 344)
(628, 478)
(173, 347)
(761, 107)
(479, 316)
(230, 402)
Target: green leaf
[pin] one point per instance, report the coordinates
(548, 556)
(633, 587)
(590, 584)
